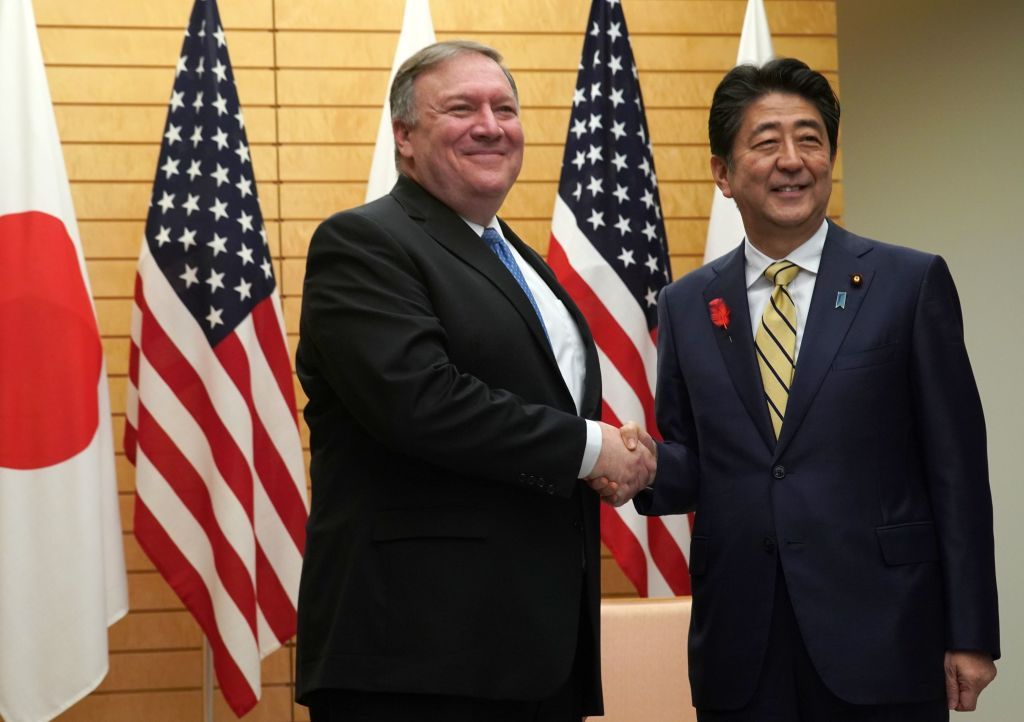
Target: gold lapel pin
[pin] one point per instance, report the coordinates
(856, 279)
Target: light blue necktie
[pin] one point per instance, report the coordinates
(501, 250)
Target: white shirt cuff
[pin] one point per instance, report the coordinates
(592, 449)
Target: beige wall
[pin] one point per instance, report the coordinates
(933, 108)
(311, 77)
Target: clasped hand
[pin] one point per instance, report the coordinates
(626, 464)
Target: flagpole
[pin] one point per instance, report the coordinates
(207, 681)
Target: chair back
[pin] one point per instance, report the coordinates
(643, 658)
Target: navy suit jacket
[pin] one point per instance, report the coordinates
(450, 542)
(875, 499)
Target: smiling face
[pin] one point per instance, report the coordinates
(466, 147)
(781, 172)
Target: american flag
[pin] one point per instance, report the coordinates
(608, 249)
(220, 500)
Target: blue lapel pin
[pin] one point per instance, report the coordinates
(841, 300)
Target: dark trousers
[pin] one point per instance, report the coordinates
(338, 705)
(790, 690)
(343, 705)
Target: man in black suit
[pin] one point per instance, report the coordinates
(820, 415)
(452, 560)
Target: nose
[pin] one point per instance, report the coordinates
(486, 126)
(789, 156)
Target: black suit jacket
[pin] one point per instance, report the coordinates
(875, 499)
(449, 542)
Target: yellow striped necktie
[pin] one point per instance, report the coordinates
(775, 341)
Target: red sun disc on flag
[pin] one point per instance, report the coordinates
(50, 353)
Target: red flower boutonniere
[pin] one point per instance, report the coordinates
(720, 315)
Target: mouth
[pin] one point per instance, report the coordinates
(789, 188)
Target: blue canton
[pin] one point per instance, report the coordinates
(204, 227)
(608, 178)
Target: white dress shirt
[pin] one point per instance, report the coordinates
(566, 342)
(759, 289)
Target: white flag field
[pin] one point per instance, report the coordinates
(725, 227)
(417, 33)
(62, 574)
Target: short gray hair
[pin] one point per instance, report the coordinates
(403, 105)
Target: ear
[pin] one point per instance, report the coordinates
(402, 142)
(720, 173)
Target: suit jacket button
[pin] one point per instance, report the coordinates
(769, 544)
(779, 472)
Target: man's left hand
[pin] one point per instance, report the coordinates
(967, 673)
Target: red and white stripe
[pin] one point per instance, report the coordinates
(651, 551)
(220, 503)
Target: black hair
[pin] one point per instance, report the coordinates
(745, 84)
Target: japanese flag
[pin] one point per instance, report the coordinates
(62, 576)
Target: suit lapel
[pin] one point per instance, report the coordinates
(451, 232)
(827, 325)
(737, 347)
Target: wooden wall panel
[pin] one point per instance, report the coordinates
(88, 85)
(145, 46)
(311, 76)
(331, 87)
(137, 162)
(142, 124)
(236, 14)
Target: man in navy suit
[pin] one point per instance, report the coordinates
(823, 422)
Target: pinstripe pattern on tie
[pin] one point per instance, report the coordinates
(775, 341)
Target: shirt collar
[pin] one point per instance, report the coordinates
(807, 255)
(479, 230)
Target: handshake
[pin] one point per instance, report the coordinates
(626, 465)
